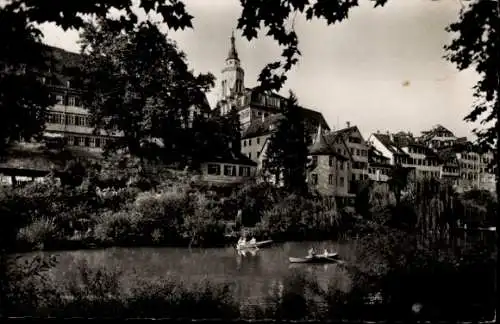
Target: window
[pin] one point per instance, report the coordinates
(71, 101)
(330, 161)
(229, 170)
(55, 118)
(87, 141)
(244, 171)
(244, 143)
(341, 181)
(213, 169)
(59, 100)
(249, 142)
(330, 179)
(258, 140)
(314, 179)
(357, 152)
(97, 142)
(249, 155)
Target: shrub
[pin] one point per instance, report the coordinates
(163, 210)
(118, 227)
(38, 233)
(204, 222)
(297, 297)
(28, 288)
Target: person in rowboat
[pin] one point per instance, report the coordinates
(325, 253)
(242, 241)
(312, 253)
(253, 241)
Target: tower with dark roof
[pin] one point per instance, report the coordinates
(232, 81)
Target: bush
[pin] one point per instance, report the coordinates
(121, 227)
(163, 211)
(298, 217)
(393, 273)
(297, 297)
(39, 233)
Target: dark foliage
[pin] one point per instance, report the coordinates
(286, 156)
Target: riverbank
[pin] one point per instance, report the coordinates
(49, 217)
(45, 216)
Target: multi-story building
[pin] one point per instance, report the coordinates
(438, 137)
(379, 167)
(328, 171)
(464, 164)
(403, 150)
(350, 138)
(450, 169)
(384, 143)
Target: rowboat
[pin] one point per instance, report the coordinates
(255, 245)
(318, 258)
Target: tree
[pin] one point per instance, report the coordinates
(138, 83)
(24, 99)
(286, 156)
(477, 45)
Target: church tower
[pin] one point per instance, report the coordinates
(233, 75)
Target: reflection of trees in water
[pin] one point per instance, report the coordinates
(253, 276)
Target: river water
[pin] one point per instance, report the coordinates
(252, 276)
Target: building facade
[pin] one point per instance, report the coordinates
(328, 171)
(356, 150)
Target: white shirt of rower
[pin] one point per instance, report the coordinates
(253, 241)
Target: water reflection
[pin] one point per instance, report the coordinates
(253, 274)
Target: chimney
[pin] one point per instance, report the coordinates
(348, 124)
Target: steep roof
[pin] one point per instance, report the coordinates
(261, 128)
(346, 131)
(233, 54)
(390, 145)
(374, 153)
(322, 147)
(229, 156)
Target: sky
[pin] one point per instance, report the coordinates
(381, 69)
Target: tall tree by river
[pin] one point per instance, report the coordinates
(286, 157)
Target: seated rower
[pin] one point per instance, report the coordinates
(312, 253)
(241, 241)
(253, 241)
(325, 253)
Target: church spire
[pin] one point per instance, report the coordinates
(233, 54)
